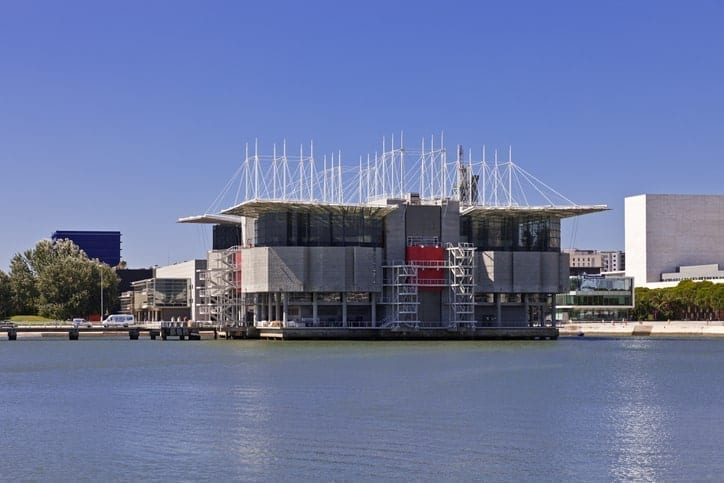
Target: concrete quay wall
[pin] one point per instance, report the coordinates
(512, 333)
(672, 328)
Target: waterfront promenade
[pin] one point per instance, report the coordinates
(673, 328)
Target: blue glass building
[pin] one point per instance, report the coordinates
(103, 245)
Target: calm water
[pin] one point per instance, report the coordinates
(571, 410)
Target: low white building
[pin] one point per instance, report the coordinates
(173, 292)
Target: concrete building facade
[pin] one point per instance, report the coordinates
(665, 232)
(401, 261)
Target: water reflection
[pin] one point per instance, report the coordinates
(640, 424)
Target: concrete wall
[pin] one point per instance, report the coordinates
(395, 241)
(450, 222)
(635, 238)
(312, 269)
(422, 221)
(521, 272)
(664, 232)
(430, 306)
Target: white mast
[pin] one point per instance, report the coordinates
(510, 175)
(483, 173)
(324, 179)
(339, 169)
(301, 173)
(311, 170)
(256, 169)
(495, 186)
(284, 171)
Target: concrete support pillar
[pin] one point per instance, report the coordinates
(498, 311)
(344, 309)
(527, 309)
(285, 307)
(553, 310)
(541, 313)
(257, 309)
(373, 308)
(269, 306)
(277, 306)
(315, 311)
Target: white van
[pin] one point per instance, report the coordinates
(116, 320)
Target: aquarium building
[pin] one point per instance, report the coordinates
(405, 239)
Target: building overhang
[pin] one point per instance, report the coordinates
(212, 219)
(257, 208)
(546, 210)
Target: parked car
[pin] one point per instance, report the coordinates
(81, 323)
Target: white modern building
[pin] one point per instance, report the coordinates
(667, 234)
(174, 291)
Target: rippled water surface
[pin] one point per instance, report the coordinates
(567, 410)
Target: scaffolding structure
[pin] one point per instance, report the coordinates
(461, 264)
(223, 303)
(400, 287)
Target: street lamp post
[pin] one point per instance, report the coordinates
(101, 267)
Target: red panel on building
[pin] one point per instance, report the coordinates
(431, 278)
(237, 274)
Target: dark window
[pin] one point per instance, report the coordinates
(512, 233)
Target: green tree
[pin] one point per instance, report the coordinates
(704, 300)
(23, 290)
(5, 295)
(61, 281)
(717, 300)
(643, 307)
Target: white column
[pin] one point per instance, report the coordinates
(285, 307)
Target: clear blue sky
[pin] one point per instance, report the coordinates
(128, 115)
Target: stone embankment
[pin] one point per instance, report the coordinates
(674, 328)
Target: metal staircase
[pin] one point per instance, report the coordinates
(222, 301)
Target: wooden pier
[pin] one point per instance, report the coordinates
(74, 333)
